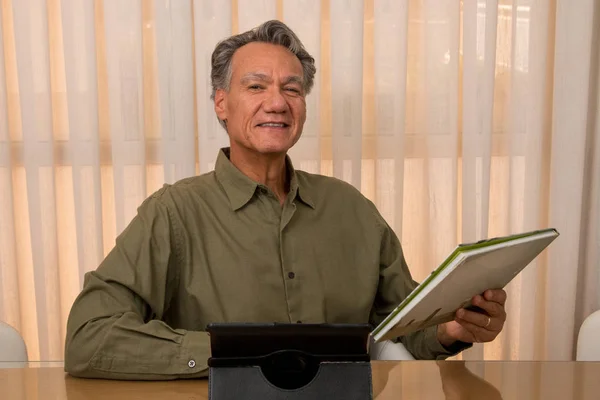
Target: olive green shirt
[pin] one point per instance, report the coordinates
(220, 248)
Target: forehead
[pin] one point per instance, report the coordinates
(266, 58)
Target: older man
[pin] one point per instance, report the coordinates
(252, 241)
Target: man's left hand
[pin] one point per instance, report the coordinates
(476, 326)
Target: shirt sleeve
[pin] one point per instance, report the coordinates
(395, 284)
(115, 329)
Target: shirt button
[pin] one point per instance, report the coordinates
(291, 275)
(191, 363)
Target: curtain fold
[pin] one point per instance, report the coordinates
(536, 99)
(346, 30)
(10, 307)
(80, 71)
(304, 18)
(37, 201)
(212, 23)
(174, 24)
(572, 63)
(479, 22)
(390, 83)
(459, 120)
(252, 13)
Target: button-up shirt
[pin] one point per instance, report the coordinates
(220, 247)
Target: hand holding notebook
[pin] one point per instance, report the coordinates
(468, 271)
(479, 323)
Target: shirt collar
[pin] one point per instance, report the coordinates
(240, 188)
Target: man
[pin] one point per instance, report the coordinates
(252, 241)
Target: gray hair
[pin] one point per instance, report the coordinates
(274, 32)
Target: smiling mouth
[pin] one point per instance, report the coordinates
(274, 125)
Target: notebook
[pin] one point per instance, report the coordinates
(468, 271)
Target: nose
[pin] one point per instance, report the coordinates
(275, 102)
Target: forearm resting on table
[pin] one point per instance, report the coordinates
(123, 347)
(113, 333)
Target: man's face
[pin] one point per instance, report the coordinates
(265, 107)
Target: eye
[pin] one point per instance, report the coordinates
(255, 87)
(292, 89)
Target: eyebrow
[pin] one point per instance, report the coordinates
(293, 79)
(265, 78)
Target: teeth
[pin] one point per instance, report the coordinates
(271, 124)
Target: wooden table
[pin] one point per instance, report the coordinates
(391, 380)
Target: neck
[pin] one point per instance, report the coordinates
(269, 170)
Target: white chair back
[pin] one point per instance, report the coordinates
(12, 345)
(588, 340)
(390, 351)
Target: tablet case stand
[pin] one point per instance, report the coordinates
(290, 373)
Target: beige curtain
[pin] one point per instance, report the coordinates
(461, 120)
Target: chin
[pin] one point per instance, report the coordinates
(273, 148)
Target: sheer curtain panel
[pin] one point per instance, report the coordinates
(460, 120)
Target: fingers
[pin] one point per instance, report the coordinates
(495, 295)
(480, 335)
(492, 315)
(492, 308)
(480, 320)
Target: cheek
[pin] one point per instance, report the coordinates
(248, 109)
(299, 110)
(243, 108)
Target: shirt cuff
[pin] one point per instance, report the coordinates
(195, 352)
(438, 350)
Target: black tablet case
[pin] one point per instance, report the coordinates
(289, 361)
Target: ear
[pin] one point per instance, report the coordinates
(221, 104)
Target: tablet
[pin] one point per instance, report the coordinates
(324, 341)
(288, 356)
